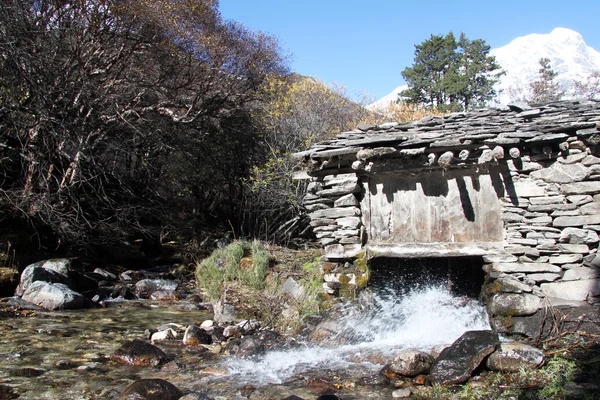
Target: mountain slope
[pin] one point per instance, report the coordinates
(570, 57)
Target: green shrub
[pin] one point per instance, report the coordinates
(223, 267)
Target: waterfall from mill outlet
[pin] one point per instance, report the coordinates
(383, 323)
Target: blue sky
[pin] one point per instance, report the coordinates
(365, 45)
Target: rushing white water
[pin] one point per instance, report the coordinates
(386, 322)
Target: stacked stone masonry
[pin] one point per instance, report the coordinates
(551, 215)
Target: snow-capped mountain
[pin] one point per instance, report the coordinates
(570, 57)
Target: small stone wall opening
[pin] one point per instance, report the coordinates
(463, 276)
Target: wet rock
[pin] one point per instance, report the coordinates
(23, 304)
(249, 346)
(146, 287)
(514, 304)
(217, 335)
(109, 276)
(515, 357)
(411, 363)
(53, 296)
(195, 336)
(195, 396)
(167, 334)
(7, 393)
(401, 393)
(270, 393)
(166, 295)
(51, 271)
(139, 353)
(231, 331)
(151, 389)
(456, 363)
(374, 380)
(27, 372)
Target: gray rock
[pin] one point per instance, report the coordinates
(563, 222)
(348, 222)
(51, 271)
(528, 189)
(590, 160)
(581, 199)
(336, 213)
(525, 267)
(339, 190)
(145, 389)
(572, 290)
(108, 275)
(53, 296)
(146, 287)
(565, 259)
(515, 357)
(514, 304)
(575, 274)
(547, 200)
(348, 200)
(401, 393)
(195, 336)
(562, 173)
(578, 236)
(513, 285)
(293, 288)
(456, 363)
(547, 277)
(411, 363)
(591, 187)
(590, 208)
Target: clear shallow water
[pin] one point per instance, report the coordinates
(72, 349)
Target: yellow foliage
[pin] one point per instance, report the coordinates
(399, 112)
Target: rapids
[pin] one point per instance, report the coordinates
(379, 324)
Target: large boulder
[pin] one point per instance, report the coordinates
(146, 287)
(456, 363)
(51, 271)
(53, 296)
(139, 353)
(151, 389)
(515, 357)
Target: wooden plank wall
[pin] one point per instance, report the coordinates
(432, 207)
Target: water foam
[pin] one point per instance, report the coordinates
(387, 321)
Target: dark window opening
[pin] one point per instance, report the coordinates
(463, 276)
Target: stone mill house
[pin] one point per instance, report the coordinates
(517, 189)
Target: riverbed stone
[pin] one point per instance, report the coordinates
(53, 296)
(514, 304)
(151, 389)
(515, 357)
(456, 363)
(579, 290)
(51, 271)
(411, 363)
(139, 353)
(146, 287)
(195, 336)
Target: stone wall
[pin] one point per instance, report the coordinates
(548, 182)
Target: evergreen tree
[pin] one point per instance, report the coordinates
(546, 88)
(450, 74)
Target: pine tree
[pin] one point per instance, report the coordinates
(545, 89)
(451, 75)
